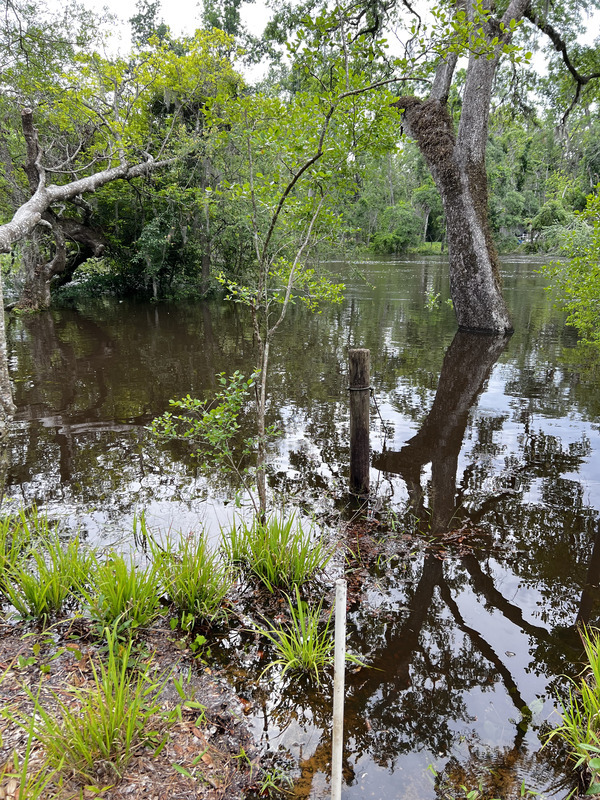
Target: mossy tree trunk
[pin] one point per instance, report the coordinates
(457, 164)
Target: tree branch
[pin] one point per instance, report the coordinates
(33, 166)
(30, 213)
(560, 46)
(319, 151)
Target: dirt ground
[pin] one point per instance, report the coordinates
(216, 750)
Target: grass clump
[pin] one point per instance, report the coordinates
(195, 579)
(580, 728)
(304, 645)
(17, 535)
(277, 553)
(94, 732)
(122, 594)
(40, 586)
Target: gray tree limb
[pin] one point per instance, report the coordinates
(30, 214)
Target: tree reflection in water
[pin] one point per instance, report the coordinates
(450, 648)
(463, 634)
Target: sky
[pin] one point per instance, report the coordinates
(183, 16)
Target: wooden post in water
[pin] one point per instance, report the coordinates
(359, 374)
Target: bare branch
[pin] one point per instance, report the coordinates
(560, 46)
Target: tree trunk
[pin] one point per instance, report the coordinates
(92, 244)
(7, 407)
(205, 263)
(461, 180)
(38, 274)
(427, 212)
(457, 164)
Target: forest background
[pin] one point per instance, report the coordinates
(214, 153)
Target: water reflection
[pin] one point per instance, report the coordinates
(490, 477)
(466, 368)
(453, 641)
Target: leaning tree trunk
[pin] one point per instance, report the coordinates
(457, 164)
(475, 285)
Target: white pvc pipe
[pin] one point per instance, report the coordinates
(339, 667)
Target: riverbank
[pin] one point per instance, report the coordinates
(201, 747)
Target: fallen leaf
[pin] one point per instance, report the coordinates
(246, 705)
(199, 735)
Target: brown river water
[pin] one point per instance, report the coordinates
(485, 486)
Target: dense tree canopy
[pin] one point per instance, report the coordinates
(496, 156)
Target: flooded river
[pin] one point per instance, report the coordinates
(485, 486)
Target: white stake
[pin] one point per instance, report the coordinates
(339, 667)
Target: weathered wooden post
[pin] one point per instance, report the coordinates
(359, 374)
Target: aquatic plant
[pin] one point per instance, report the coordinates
(121, 593)
(41, 585)
(580, 724)
(17, 534)
(305, 644)
(195, 579)
(278, 553)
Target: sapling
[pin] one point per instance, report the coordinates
(295, 165)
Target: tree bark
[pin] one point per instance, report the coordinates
(7, 407)
(457, 164)
(30, 214)
(41, 274)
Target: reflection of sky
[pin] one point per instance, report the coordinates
(494, 402)
(117, 471)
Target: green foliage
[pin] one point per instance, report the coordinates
(400, 229)
(122, 595)
(278, 553)
(580, 728)
(212, 424)
(212, 429)
(95, 732)
(305, 645)
(551, 213)
(32, 785)
(54, 572)
(16, 533)
(144, 24)
(195, 579)
(273, 782)
(577, 280)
